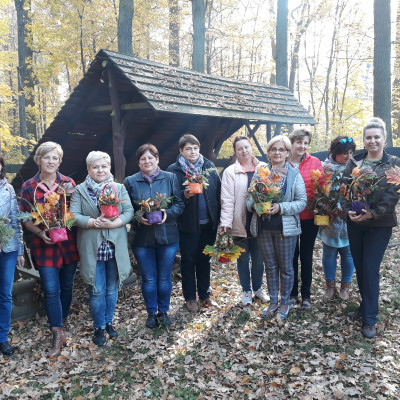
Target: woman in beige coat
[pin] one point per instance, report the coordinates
(104, 264)
(236, 219)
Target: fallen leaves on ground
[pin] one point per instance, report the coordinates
(229, 353)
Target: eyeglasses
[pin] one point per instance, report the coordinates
(274, 150)
(347, 140)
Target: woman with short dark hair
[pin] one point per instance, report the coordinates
(11, 254)
(198, 223)
(155, 245)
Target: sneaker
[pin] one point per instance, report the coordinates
(283, 312)
(6, 349)
(151, 321)
(192, 306)
(354, 315)
(247, 298)
(99, 338)
(260, 295)
(306, 304)
(163, 319)
(270, 311)
(111, 331)
(293, 301)
(369, 331)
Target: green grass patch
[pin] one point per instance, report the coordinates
(242, 318)
(186, 393)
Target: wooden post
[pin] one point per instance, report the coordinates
(118, 129)
(268, 131)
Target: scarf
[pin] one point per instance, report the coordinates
(150, 178)
(185, 164)
(3, 182)
(97, 188)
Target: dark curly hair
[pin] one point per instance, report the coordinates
(341, 145)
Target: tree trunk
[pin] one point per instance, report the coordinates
(396, 81)
(26, 97)
(281, 43)
(199, 34)
(125, 19)
(382, 83)
(174, 25)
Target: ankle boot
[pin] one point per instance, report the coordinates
(67, 332)
(330, 290)
(345, 290)
(58, 340)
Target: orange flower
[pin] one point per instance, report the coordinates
(275, 179)
(315, 174)
(263, 173)
(326, 188)
(356, 172)
(53, 198)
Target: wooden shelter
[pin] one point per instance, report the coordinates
(123, 102)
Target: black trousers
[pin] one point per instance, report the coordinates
(195, 266)
(304, 247)
(368, 245)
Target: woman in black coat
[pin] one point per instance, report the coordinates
(198, 223)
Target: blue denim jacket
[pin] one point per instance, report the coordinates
(139, 189)
(9, 209)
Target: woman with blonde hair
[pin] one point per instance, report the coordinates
(278, 230)
(56, 262)
(102, 242)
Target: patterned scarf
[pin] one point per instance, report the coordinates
(150, 178)
(97, 188)
(185, 164)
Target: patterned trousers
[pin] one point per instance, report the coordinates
(277, 252)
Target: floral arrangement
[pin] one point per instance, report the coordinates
(109, 197)
(360, 185)
(161, 201)
(193, 176)
(6, 232)
(266, 186)
(393, 176)
(224, 249)
(53, 213)
(325, 191)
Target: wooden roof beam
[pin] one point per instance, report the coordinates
(129, 106)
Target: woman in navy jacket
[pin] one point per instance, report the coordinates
(155, 246)
(198, 223)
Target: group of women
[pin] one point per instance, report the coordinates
(190, 222)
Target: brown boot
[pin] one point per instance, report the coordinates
(330, 290)
(67, 332)
(345, 290)
(57, 342)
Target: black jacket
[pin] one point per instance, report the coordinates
(140, 189)
(385, 198)
(189, 219)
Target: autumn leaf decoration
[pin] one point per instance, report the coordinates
(393, 176)
(266, 186)
(223, 250)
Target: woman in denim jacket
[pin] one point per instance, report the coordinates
(155, 246)
(11, 253)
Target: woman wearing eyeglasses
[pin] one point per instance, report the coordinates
(301, 139)
(334, 236)
(278, 230)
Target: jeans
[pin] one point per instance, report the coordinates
(195, 265)
(8, 261)
(57, 286)
(103, 295)
(304, 248)
(329, 262)
(155, 265)
(368, 245)
(257, 265)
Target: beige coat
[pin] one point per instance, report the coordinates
(233, 199)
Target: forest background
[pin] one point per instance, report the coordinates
(330, 55)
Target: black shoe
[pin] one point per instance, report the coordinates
(111, 331)
(354, 315)
(6, 349)
(99, 338)
(369, 331)
(163, 319)
(306, 304)
(151, 320)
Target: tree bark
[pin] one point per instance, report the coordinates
(199, 34)
(125, 19)
(174, 26)
(281, 43)
(26, 97)
(382, 82)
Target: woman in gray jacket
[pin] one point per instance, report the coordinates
(277, 231)
(104, 264)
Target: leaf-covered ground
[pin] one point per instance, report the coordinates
(230, 353)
